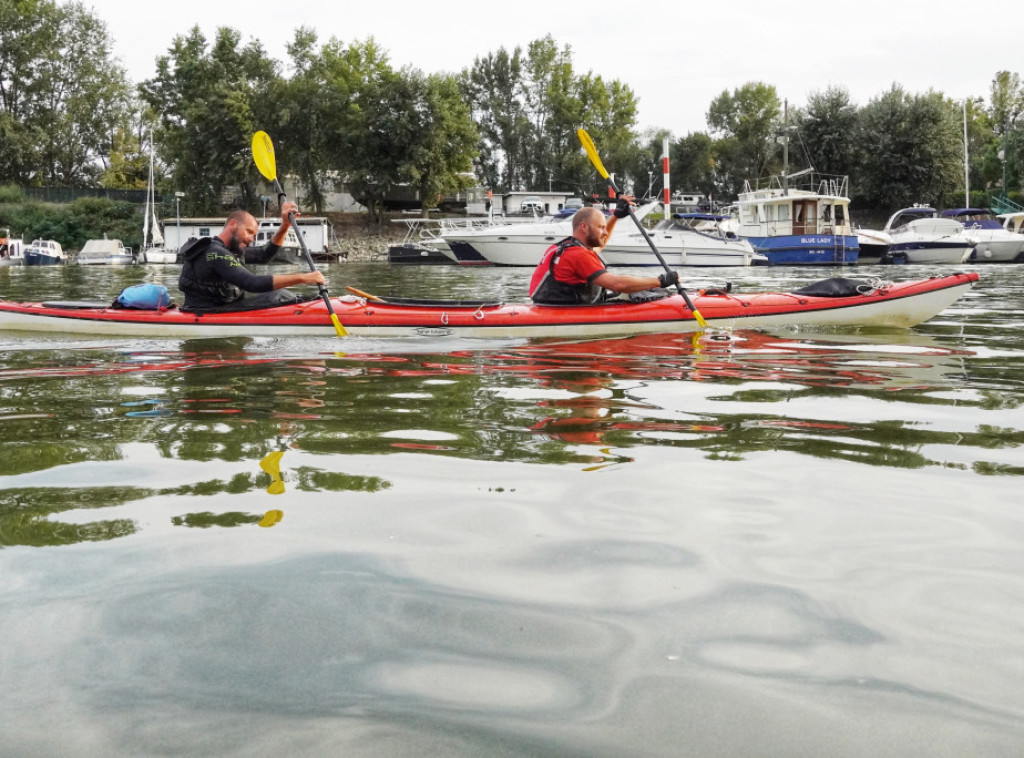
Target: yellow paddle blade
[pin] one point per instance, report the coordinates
(270, 518)
(588, 145)
(271, 463)
(263, 155)
(699, 318)
(342, 331)
(276, 487)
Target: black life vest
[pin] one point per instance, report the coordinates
(201, 291)
(550, 291)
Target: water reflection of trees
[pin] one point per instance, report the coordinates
(571, 404)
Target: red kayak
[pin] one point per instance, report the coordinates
(901, 304)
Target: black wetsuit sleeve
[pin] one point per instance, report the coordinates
(229, 268)
(262, 254)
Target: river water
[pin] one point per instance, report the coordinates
(750, 544)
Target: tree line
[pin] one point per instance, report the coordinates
(341, 114)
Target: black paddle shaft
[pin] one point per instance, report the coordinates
(281, 199)
(660, 257)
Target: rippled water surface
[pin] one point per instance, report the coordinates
(752, 543)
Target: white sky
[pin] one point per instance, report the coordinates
(677, 57)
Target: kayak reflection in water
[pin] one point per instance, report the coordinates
(213, 277)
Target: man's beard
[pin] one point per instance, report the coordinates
(235, 246)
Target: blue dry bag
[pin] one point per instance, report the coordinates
(144, 297)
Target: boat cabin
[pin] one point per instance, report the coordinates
(44, 252)
(922, 220)
(12, 251)
(103, 251)
(316, 232)
(778, 210)
(976, 218)
(1012, 222)
(904, 216)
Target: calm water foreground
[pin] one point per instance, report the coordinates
(752, 544)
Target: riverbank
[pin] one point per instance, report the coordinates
(361, 242)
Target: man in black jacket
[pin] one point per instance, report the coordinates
(214, 278)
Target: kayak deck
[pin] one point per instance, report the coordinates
(901, 304)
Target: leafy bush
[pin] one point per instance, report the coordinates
(75, 223)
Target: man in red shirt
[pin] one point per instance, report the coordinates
(572, 272)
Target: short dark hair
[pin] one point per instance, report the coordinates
(239, 217)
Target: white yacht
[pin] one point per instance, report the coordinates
(678, 243)
(919, 235)
(995, 244)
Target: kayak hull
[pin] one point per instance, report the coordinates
(902, 304)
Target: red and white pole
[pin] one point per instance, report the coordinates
(666, 191)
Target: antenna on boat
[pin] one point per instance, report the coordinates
(785, 146)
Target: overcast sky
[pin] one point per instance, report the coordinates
(677, 57)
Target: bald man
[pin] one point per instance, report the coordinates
(572, 272)
(214, 278)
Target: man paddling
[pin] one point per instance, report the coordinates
(572, 271)
(214, 278)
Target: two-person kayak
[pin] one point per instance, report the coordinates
(884, 304)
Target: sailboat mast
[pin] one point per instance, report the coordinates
(967, 170)
(149, 196)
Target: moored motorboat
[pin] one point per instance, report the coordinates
(12, 251)
(874, 246)
(104, 252)
(678, 243)
(995, 243)
(44, 253)
(920, 236)
(883, 304)
(791, 224)
(1012, 222)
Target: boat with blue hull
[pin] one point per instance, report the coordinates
(791, 224)
(44, 253)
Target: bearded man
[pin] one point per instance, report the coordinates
(214, 277)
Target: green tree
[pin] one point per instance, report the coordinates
(446, 142)
(528, 108)
(824, 131)
(62, 95)
(1004, 116)
(908, 150)
(693, 164)
(210, 102)
(312, 107)
(493, 87)
(609, 116)
(746, 123)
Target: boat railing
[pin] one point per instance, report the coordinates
(807, 180)
(424, 230)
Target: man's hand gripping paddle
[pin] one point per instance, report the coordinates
(263, 155)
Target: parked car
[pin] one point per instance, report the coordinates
(573, 203)
(532, 204)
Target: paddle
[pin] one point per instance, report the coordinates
(271, 463)
(263, 155)
(588, 145)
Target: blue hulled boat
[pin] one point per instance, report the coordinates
(802, 225)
